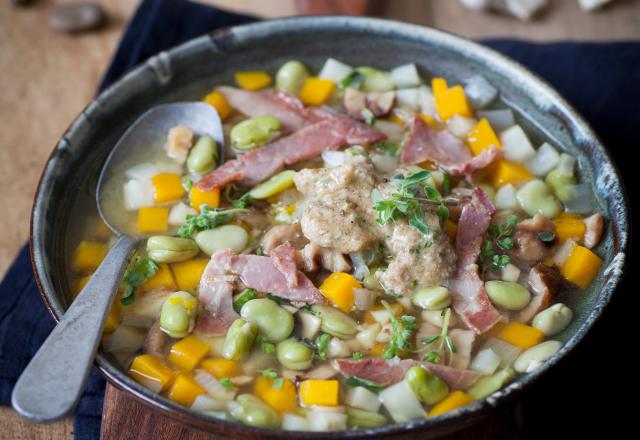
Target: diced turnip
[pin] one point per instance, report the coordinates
(510, 272)
(205, 402)
(427, 101)
(582, 202)
(367, 337)
(408, 99)
(480, 91)
(545, 160)
(395, 132)
(322, 421)
(124, 339)
(516, 144)
(507, 352)
(460, 126)
(500, 119)
(566, 164)
(142, 171)
(401, 402)
(405, 76)
(590, 5)
(337, 348)
(169, 167)
(310, 324)
(486, 362)
(384, 163)
(334, 70)
(362, 398)
(292, 422)
(506, 197)
(434, 317)
(179, 212)
(137, 194)
(213, 386)
(333, 159)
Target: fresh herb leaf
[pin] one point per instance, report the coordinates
(431, 339)
(389, 147)
(207, 219)
(446, 181)
(259, 251)
(322, 346)
(278, 382)
(450, 345)
(499, 238)
(268, 347)
(135, 276)
(187, 184)
(546, 236)
(226, 382)
(243, 202)
(402, 330)
(244, 298)
(372, 386)
(356, 356)
(270, 373)
(369, 117)
(354, 80)
(443, 341)
(433, 357)
(277, 299)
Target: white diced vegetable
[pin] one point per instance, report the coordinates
(427, 101)
(179, 212)
(434, 317)
(142, 171)
(367, 337)
(334, 70)
(338, 349)
(499, 119)
(563, 252)
(507, 352)
(362, 398)
(292, 422)
(460, 126)
(322, 421)
(205, 402)
(401, 402)
(169, 167)
(405, 76)
(581, 203)
(545, 160)
(408, 99)
(124, 339)
(395, 132)
(310, 324)
(138, 194)
(566, 164)
(506, 197)
(516, 144)
(510, 273)
(333, 159)
(485, 362)
(213, 387)
(384, 163)
(480, 91)
(381, 316)
(591, 5)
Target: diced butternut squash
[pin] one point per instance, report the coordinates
(439, 86)
(188, 273)
(451, 228)
(428, 120)
(113, 319)
(219, 102)
(505, 171)
(481, 137)
(319, 392)
(151, 372)
(521, 335)
(163, 278)
(79, 284)
(167, 187)
(316, 91)
(395, 118)
(87, 256)
(153, 220)
(396, 308)
(185, 389)
(377, 349)
(450, 101)
(569, 226)
(220, 367)
(188, 352)
(198, 197)
(338, 288)
(282, 399)
(454, 399)
(581, 266)
(253, 80)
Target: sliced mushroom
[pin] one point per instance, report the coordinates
(544, 282)
(527, 245)
(593, 233)
(379, 103)
(156, 341)
(313, 258)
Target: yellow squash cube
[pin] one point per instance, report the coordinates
(188, 273)
(428, 120)
(185, 389)
(113, 319)
(152, 220)
(454, 399)
(521, 335)
(151, 372)
(481, 137)
(506, 171)
(87, 256)
(569, 226)
(198, 197)
(282, 399)
(377, 349)
(162, 279)
(167, 187)
(319, 392)
(581, 266)
(219, 102)
(452, 102)
(188, 352)
(316, 91)
(253, 80)
(221, 367)
(338, 287)
(439, 86)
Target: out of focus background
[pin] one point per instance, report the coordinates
(48, 73)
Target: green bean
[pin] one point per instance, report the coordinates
(553, 320)
(359, 418)
(294, 355)
(536, 356)
(290, 77)
(428, 387)
(254, 412)
(203, 156)
(490, 384)
(254, 132)
(274, 322)
(432, 298)
(273, 186)
(562, 184)
(535, 197)
(233, 237)
(334, 322)
(239, 339)
(177, 314)
(375, 80)
(166, 249)
(507, 294)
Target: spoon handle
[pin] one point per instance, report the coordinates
(52, 383)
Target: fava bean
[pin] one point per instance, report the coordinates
(203, 156)
(490, 384)
(507, 294)
(334, 322)
(291, 76)
(359, 418)
(489, 191)
(233, 237)
(553, 320)
(177, 315)
(166, 249)
(274, 322)
(428, 387)
(562, 184)
(432, 298)
(536, 356)
(371, 281)
(239, 339)
(254, 132)
(254, 412)
(274, 185)
(375, 80)
(294, 355)
(535, 197)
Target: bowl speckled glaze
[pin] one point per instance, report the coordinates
(189, 71)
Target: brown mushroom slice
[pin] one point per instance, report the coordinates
(593, 233)
(156, 341)
(280, 234)
(313, 258)
(544, 282)
(527, 244)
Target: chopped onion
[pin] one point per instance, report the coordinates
(323, 421)
(380, 316)
(310, 324)
(460, 126)
(321, 372)
(337, 348)
(566, 164)
(142, 171)
(367, 337)
(486, 361)
(179, 212)
(506, 197)
(124, 339)
(213, 387)
(138, 194)
(333, 159)
(394, 132)
(408, 99)
(510, 273)
(434, 317)
(507, 352)
(405, 76)
(360, 269)
(169, 167)
(582, 202)
(334, 70)
(205, 402)
(401, 402)
(545, 160)
(384, 163)
(480, 91)
(292, 422)
(427, 101)
(563, 252)
(360, 397)
(499, 119)
(365, 299)
(516, 145)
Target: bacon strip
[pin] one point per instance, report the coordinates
(216, 296)
(470, 299)
(256, 166)
(477, 163)
(284, 259)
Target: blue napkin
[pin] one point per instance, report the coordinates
(601, 80)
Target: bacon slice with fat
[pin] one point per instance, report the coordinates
(284, 259)
(258, 165)
(216, 297)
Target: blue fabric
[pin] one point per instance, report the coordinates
(601, 80)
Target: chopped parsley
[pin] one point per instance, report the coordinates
(243, 202)
(244, 298)
(356, 356)
(443, 339)
(322, 346)
(354, 80)
(402, 329)
(369, 117)
(187, 184)
(135, 276)
(372, 386)
(270, 373)
(208, 218)
(226, 382)
(491, 256)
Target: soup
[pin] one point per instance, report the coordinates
(373, 250)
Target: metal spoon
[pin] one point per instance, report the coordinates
(51, 385)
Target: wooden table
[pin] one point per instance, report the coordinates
(47, 78)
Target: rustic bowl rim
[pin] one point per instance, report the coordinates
(463, 416)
